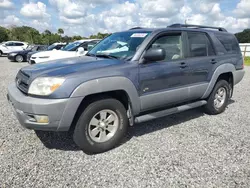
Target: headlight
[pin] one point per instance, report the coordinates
(45, 85)
(13, 54)
(43, 57)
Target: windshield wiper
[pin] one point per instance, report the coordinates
(103, 55)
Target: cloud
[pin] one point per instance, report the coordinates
(6, 4)
(11, 20)
(243, 9)
(34, 10)
(160, 8)
(86, 17)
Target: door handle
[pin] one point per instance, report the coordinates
(213, 61)
(183, 65)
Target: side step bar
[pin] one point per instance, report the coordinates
(170, 111)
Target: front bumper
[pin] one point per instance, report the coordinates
(59, 111)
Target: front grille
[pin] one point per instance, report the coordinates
(22, 81)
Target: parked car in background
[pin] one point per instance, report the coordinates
(20, 56)
(74, 49)
(54, 46)
(10, 46)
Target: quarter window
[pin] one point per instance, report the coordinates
(199, 45)
(229, 42)
(172, 44)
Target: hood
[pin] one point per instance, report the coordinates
(69, 66)
(54, 53)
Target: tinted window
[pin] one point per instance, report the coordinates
(41, 48)
(171, 44)
(229, 42)
(18, 44)
(9, 44)
(58, 47)
(199, 45)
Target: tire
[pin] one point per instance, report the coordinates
(1, 53)
(218, 99)
(19, 58)
(86, 134)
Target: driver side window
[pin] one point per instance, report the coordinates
(172, 44)
(9, 44)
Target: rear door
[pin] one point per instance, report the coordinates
(201, 60)
(164, 82)
(18, 46)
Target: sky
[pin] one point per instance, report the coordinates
(86, 17)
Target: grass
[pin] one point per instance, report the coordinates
(247, 61)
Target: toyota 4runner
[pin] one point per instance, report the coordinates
(129, 77)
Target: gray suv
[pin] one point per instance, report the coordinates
(129, 77)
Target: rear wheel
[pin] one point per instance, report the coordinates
(101, 126)
(19, 58)
(218, 99)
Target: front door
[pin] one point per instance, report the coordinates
(164, 83)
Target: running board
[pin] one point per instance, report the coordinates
(170, 111)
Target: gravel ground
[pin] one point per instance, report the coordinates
(190, 149)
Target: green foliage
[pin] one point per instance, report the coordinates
(247, 61)
(33, 36)
(99, 36)
(60, 31)
(3, 34)
(244, 36)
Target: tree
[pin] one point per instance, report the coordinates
(244, 36)
(99, 35)
(60, 31)
(3, 34)
(47, 32)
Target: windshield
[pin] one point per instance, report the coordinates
(121, 45)
(72, 46)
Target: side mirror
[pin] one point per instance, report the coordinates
(155, 54)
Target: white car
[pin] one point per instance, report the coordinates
(10, 46)
(74, 49)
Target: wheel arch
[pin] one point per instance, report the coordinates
(225, 72)
(120, 88)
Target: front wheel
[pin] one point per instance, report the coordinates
(218, 99)
(101, 126)
(19, 58)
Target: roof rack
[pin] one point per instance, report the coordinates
(136, 28)
(197, 26)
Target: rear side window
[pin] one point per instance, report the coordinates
(229, 42)
(199, 45)
(18, 44)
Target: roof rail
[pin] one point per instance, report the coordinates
(197, 26)
(135, 28)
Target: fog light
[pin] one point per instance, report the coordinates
(41, 119)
